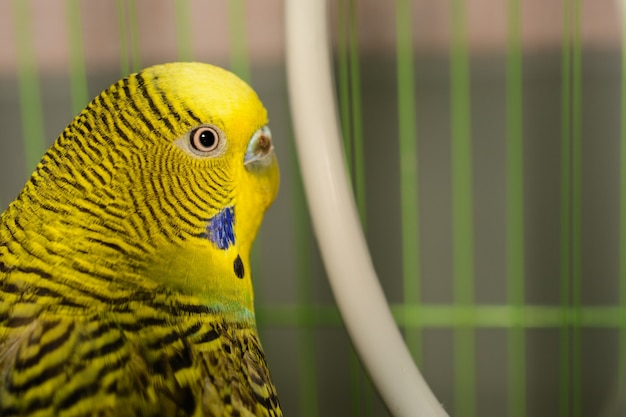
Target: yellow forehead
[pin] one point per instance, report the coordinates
(203, 92)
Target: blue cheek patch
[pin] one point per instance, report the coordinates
(220, 228)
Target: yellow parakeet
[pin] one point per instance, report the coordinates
(125, 284)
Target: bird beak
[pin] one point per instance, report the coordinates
(260, 149)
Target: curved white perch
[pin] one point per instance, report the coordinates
(335, 220)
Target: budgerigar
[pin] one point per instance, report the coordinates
(125, 284)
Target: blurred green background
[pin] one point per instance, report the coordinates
(485, 144)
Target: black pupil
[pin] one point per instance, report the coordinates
(207, 139)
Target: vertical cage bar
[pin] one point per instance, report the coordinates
(515, 213)
(29, 88)
(307, 366)
(183, 30)
(344, 21)
(357, 122)
(128, 24)
(409, 208)
(462, 214)
(343, 80)
(133, 32)
(566, 216)
(356, 407)
(577, 210)
(123, 37)
(622, 216)
(239, 60)
(349, 86)
(78, 74)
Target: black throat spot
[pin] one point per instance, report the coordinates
(238, 267)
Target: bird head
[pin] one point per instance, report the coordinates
(172, 167)
(223, 174)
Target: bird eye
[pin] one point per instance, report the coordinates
(204, 139)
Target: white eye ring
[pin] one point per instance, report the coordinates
(204, 139)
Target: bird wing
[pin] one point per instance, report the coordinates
(105, 364)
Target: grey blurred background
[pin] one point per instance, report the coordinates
(315, 369)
